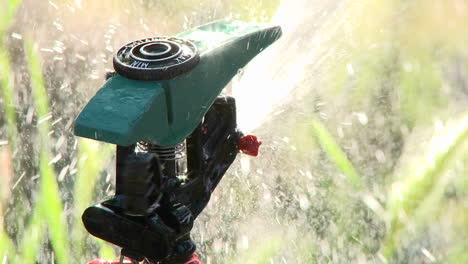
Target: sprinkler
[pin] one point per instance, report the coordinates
(175, 135)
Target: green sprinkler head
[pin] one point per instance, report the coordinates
(175, 137)
(163, 86)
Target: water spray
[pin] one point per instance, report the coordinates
(175, 136)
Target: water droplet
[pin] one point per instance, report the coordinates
(16, 35)
(55, 159)
(54, 5)
(362, 117)
(350, 69)
(63, 173)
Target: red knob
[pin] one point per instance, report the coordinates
(249, 145)
(194, 259)
(103, 261)
(99, 261)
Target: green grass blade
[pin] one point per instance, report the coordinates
(91, 158)
(7, 14)
(52, 209)
(6, 92)
(7, 248)
(33, 236)
(421, 189)
(37, 82)
(334, 152)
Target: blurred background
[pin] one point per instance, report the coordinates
(361, 107)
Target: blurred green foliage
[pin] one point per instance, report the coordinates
(382, 179)
(7, 13)
(334, 152)
(49, 204)
(396, 61)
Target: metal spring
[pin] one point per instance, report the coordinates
(174, 152)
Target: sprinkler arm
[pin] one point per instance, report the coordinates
(126, 111)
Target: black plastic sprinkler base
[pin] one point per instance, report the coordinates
(152, 213)
(140, 237)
